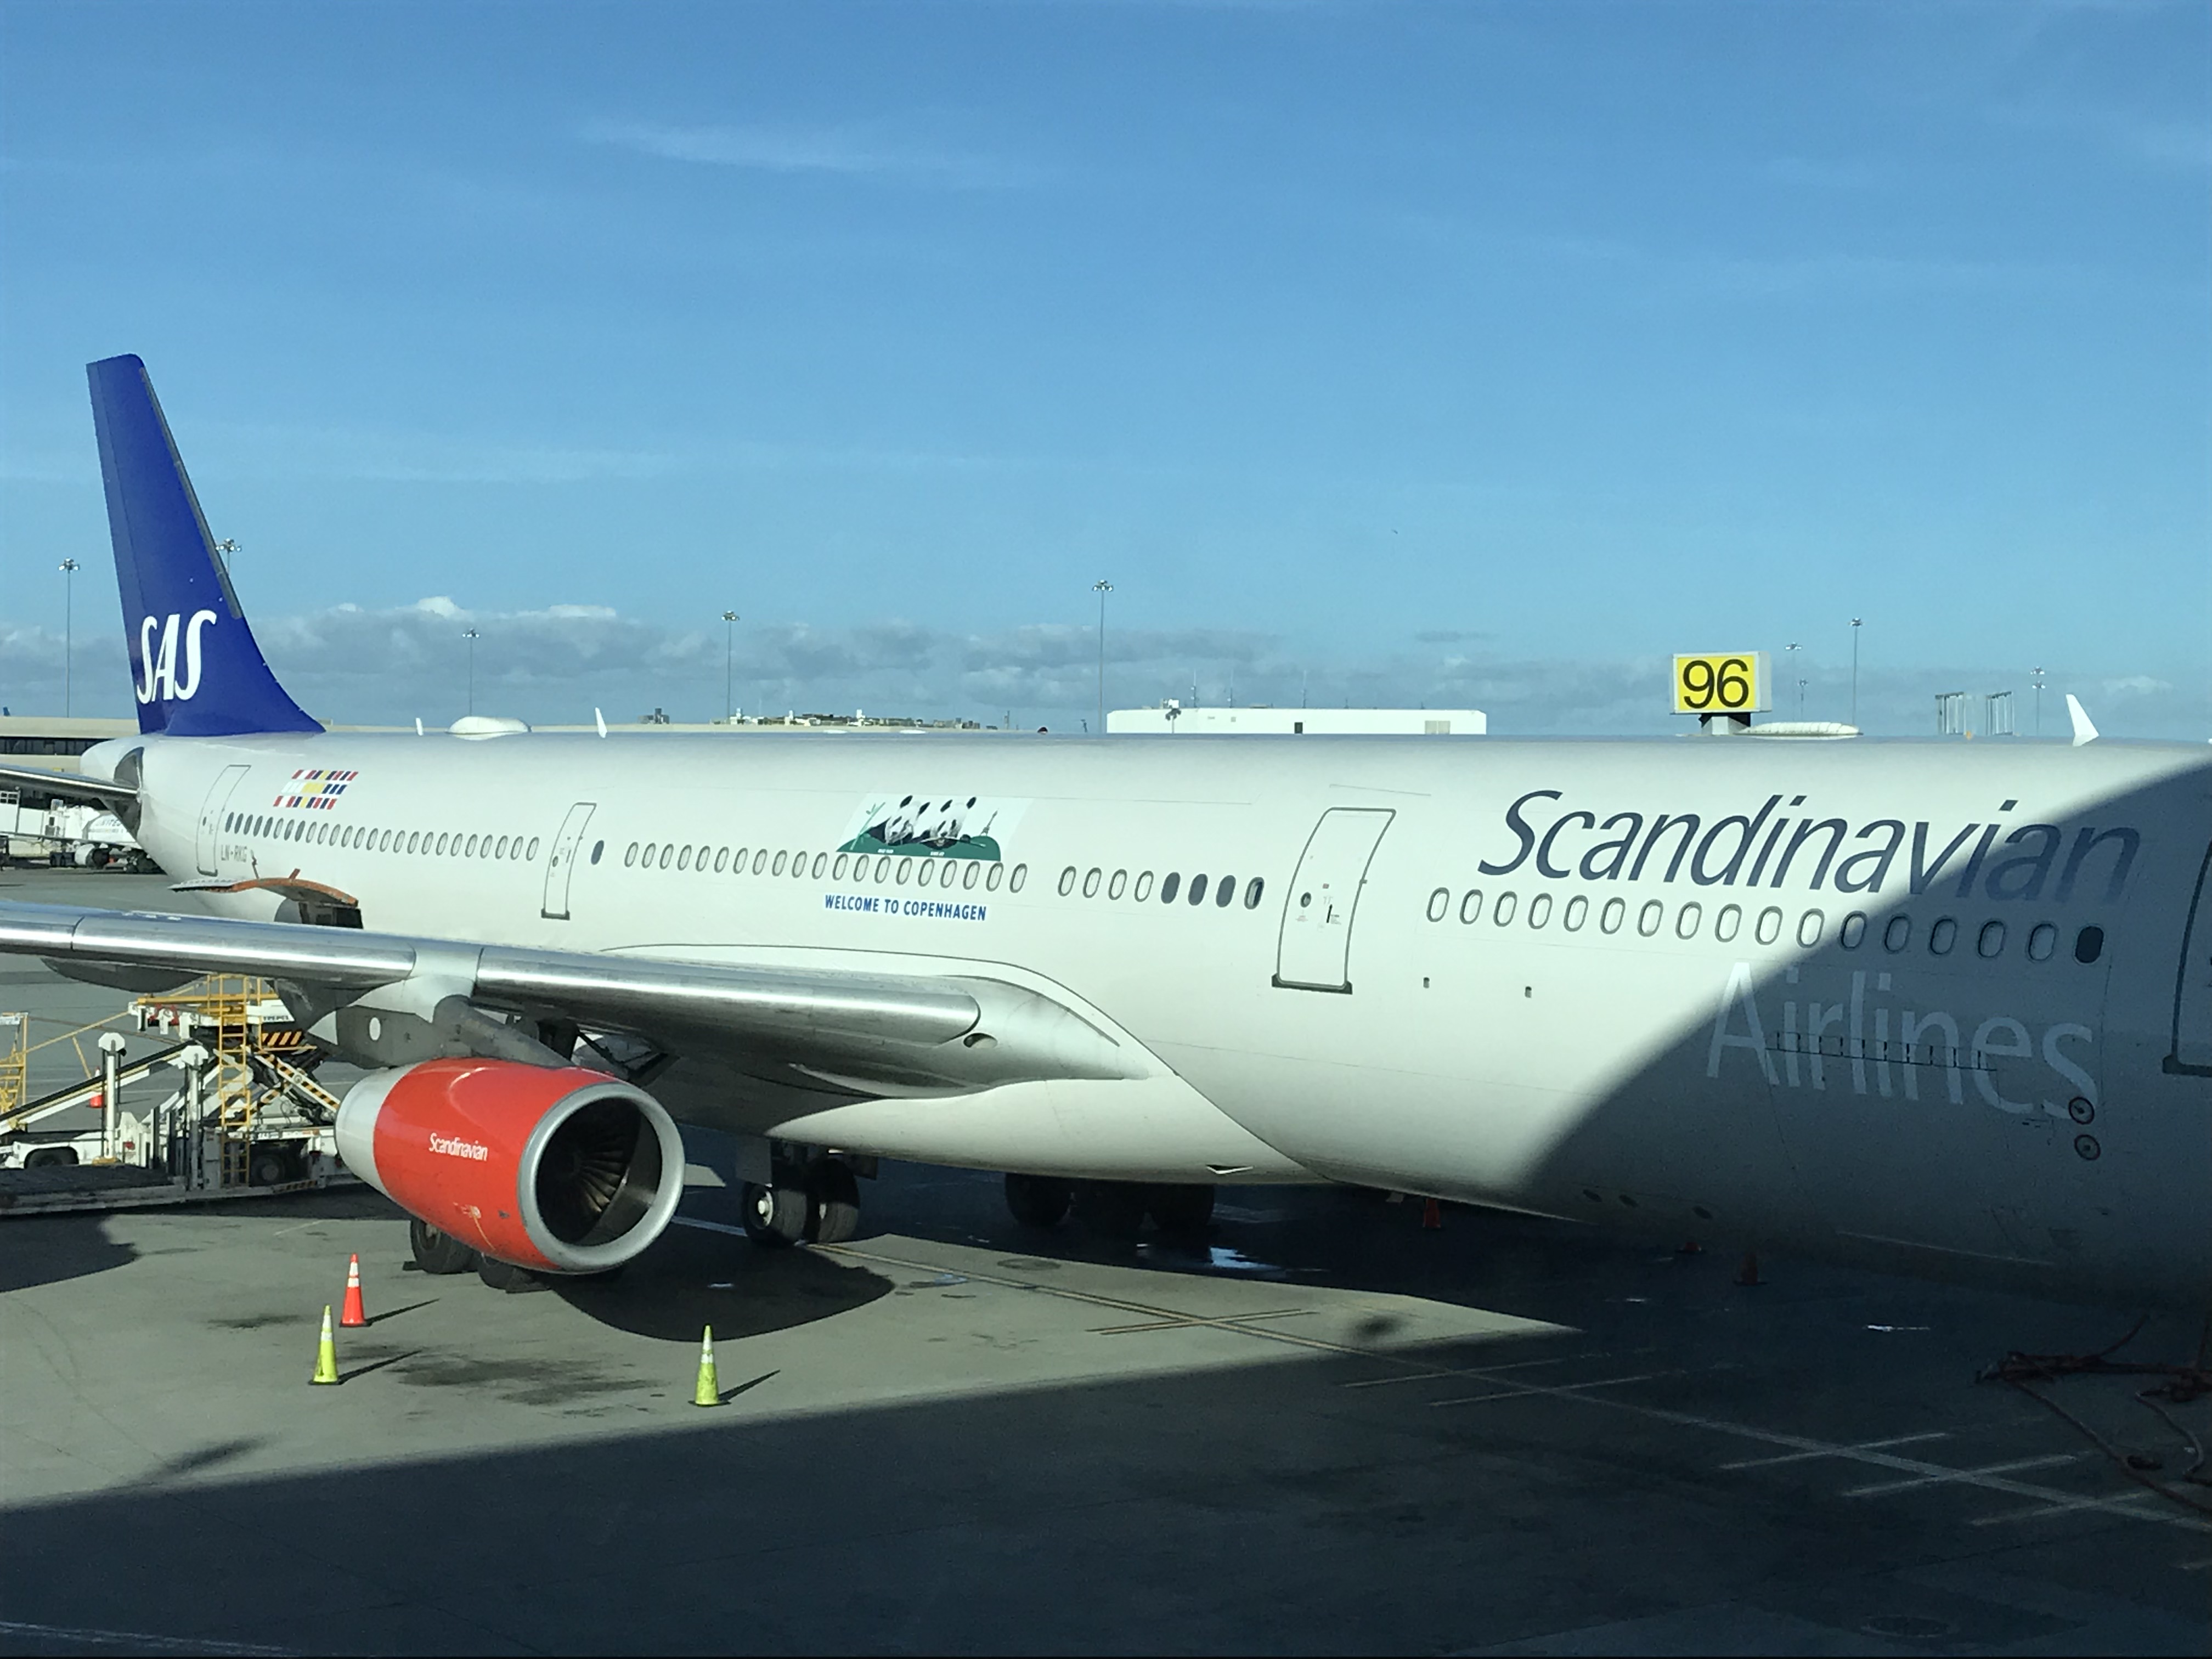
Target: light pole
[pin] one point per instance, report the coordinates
(223, 549)
(469, 634)
(729, 667)
(1102, 587)
(1792, 648)
(68, 628)
(2037, 673)
(1855, 670)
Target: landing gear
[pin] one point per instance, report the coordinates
(1113, 1209)
(819, 1203)
(774, 1216)
(1038, 1201)
(506, 1276)
(1183, 1213)
(436, 1251)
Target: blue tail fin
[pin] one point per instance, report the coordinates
(198, 673)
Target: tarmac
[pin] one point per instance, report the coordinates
(1330, 1429)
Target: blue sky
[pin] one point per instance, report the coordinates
(1458, 354)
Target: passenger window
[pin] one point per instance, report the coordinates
(533, 853)
(760, 861)
(683, 858)
(1577, 912)
(970, 870)
(651, 847)
(1501, 912)
(1067, 881)
(1169, 884)
(1540, 909)
(722, 860)
(821, 863)
(1686, 920)
(837, 869)
(905, 869)
(1224, 892)
(1809, 929)
(471, 850)
(1470, 905)
(413, 836)
(1439, 905)
(1198, 890)
(1609, 919)
(738, 864)
(1117, 884)
(1726, 921)
(1021, 874)
(1898, 934)
(1649, 918)
(1990, 941)
(1852, 933)
(883, 868)
(1090, 882)
(798, 865)
(1252, 890)
(2041, 942)
(1943, 935)
(1769, 925)
(2088, 945)
(992, 877)
(597, 848)
(666, 852)
(500, 848)
(1143, 890)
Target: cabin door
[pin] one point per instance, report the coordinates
(2191, 1050)
(211, 812)
(1315, 950)
(561, 861)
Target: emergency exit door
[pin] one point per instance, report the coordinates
(2192, 1051)
(561, 863)
(1315, 950)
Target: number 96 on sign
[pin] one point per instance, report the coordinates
(1723, 682)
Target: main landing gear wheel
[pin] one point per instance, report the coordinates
(436, 1251)
(776, 1216)
(1183, 1213)
(833, 1203)
(1111, 1209)
(1038, 1201)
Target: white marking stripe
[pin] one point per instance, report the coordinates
(1520, 1390)
(1838, 1451)
(126, 1639)
(2072, 1506)
(1945, 1477)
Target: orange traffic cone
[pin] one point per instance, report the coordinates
(1432, 1214)
(353, 1313)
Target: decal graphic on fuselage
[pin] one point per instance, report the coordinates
(933, 826)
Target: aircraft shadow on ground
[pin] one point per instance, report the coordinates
(49, 1250)
(690, 1280)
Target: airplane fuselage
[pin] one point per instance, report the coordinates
(1936, 1007)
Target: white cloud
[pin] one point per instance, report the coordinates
(851, 151)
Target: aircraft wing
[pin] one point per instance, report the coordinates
(867, 1031)
(66, 783)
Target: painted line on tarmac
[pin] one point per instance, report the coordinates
(129, 1639)
(1885, 1488)
(1863, 1445)
(2005, 1484)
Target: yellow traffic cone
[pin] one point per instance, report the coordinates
(709, 1391)
(326, 1354)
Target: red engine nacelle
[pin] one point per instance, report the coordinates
(557, 1169)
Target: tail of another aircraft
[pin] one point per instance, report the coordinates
(198, 673)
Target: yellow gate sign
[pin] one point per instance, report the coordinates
(1723, 682)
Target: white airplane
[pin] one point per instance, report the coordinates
(1944, 1009)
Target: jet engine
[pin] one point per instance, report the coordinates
(555, 1169)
